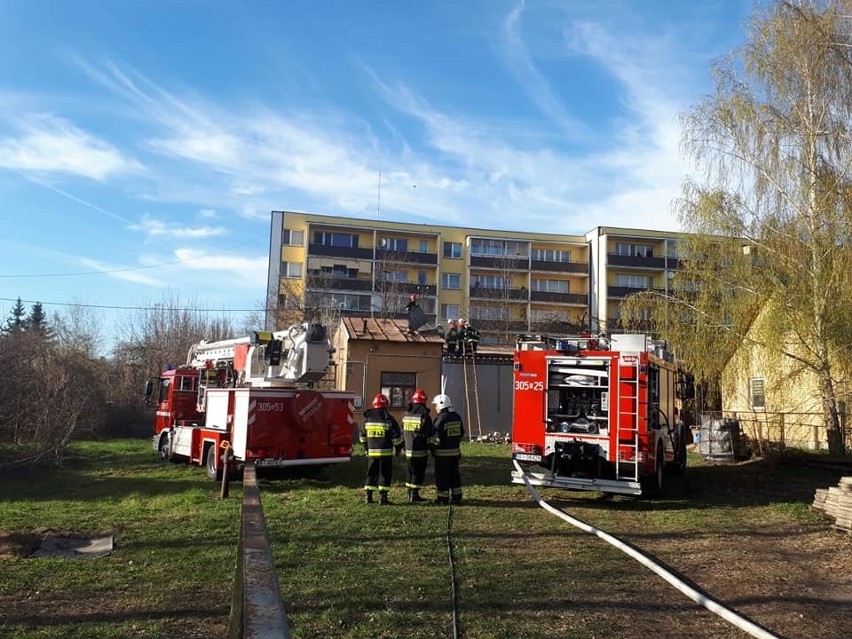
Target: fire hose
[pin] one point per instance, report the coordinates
(698, 596)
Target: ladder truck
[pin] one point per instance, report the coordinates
(597, 413)
(253, 398)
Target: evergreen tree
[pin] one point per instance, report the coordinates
(17, 321)
(37, 321)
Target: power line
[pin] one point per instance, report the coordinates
(134, 308)
(123, 270)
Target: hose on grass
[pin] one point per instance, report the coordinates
(698, 596)
(453, 581)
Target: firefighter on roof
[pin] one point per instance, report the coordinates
(452, 338)
(468, 338)
(381, 435)
(445, 444)
(416, 431)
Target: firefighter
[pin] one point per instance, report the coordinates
(452, 338)
(445, 443)
(416, 432)
(470, 339)
(381, 435)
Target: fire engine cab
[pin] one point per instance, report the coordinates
(255, 396)
(597, 413)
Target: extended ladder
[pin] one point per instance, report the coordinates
(627, 418)
(471, 395)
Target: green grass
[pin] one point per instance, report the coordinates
(352, 570)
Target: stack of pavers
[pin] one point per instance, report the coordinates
(836, 502)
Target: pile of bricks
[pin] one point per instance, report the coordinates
(836, 502)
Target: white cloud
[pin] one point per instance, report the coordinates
(245, 272)
(158, 228)
(48, 144)
(127, 274)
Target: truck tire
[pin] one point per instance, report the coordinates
(678, 467)
(652, 485)
(165, 448)
(214, 470)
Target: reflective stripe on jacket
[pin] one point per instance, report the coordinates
(416, 431)
(449, 430)
(381, 433)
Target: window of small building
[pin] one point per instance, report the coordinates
(756, 393)
(398, 388)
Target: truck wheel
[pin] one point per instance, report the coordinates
(679, 465)
(652, 485)
(213, 472)
(165, 448)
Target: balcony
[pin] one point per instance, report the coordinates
(333, 283)
(620, 292)
(406, 288)
(499, 326)
(637, 261)
(559, 298)
(347, 252)
(487, 293)
(406, 257)
(503, 263)
(579, 268)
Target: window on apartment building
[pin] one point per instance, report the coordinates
(498, 248)
(293, 237)
(339, 270)
(490, 281)
(756, 393)
(397, 244)
(343, 240)
(393, 276)
(451, 281)
(450, 311)
(633, 281)
(486, 313)
(421, 277)
(339, 301)
(551, 286)
(398, 388)
(551, 255)
(453, 250)
(424, 246)
(635, 250)
(291, 269)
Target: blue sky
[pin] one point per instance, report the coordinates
(143, 144)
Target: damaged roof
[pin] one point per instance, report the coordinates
(388, 330)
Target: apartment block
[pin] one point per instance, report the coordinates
(504, 282)
(623, 261)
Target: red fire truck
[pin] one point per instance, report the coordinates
(254, 395)
(597, 413)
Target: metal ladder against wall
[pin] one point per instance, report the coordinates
(471, 395)
(628, 470)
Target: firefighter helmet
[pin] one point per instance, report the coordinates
(380, 401)
(419, 397)
(442, 401)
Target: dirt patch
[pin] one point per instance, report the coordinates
(24, 544)
(16, 545)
